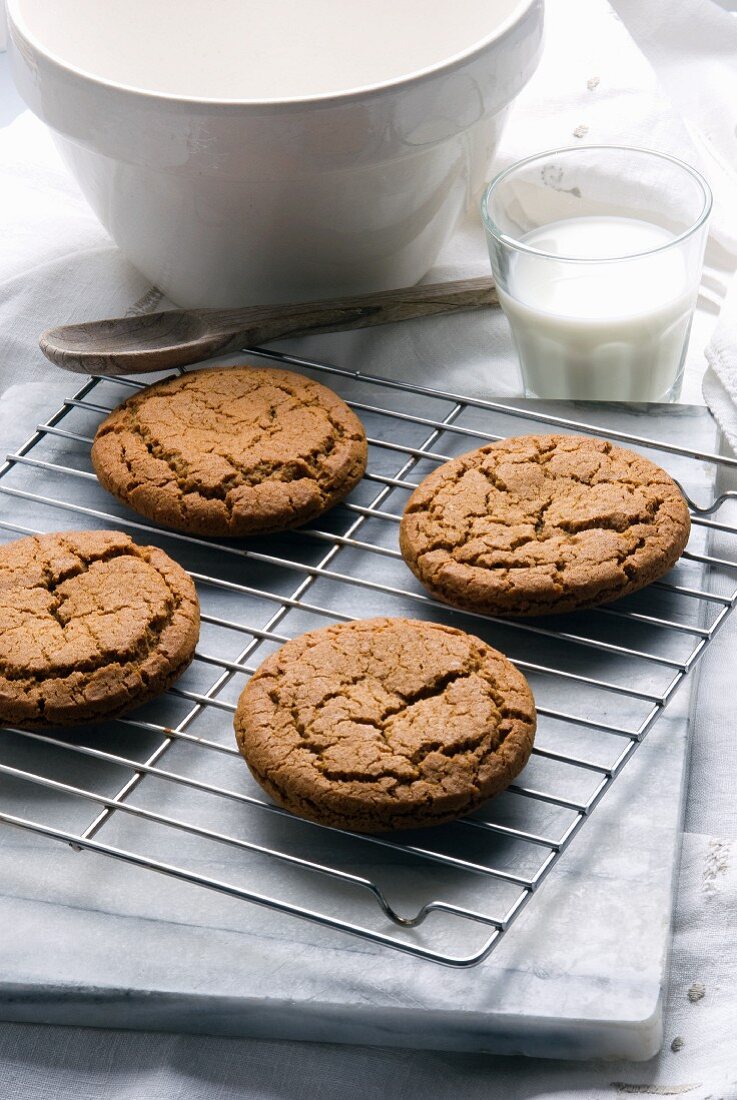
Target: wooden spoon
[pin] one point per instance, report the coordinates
(160, 341)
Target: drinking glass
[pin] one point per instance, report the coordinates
(597, 254)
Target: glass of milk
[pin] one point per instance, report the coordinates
(597, 254)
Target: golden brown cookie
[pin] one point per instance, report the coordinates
(91, 625)
(231, 451)
(543, 523)
(385, 724)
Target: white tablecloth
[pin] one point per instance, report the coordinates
(57, 264)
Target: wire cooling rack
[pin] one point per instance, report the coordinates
(165, 788)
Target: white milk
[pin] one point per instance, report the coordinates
(259, 49)
(608, 331)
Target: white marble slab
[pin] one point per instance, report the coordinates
(88, 940)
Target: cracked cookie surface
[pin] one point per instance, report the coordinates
(385, 724)
(91, 625)
(536, 525)
(231, 451)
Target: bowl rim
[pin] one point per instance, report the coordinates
(17, 27)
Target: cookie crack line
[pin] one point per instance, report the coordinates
(133, 628)
(436, 747)
(148, 644)
(543, 524)
(265, 470)
(382, 725)
(52, 582)
(541, 531)
(135, 697)
(231, 451)
(621, 555)
(385, 723)
(152, 631)
(193, 380)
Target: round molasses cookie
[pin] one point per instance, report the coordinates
(540, 524)
(231, 451)
(385, 724)
(91, 625)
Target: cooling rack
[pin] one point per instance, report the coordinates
(165, 788)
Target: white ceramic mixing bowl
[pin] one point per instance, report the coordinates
(222, 198)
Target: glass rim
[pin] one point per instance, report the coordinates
(493, 229)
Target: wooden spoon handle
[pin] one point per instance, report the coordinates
(261, 324)
(177, 337)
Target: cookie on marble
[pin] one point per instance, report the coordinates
(540, 524)
(231, 451)
(91, 625)
(385, 724)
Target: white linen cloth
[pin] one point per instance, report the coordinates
(720, 379)
(57, 265)
(711, 86)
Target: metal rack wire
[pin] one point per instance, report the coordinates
(601, 678)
